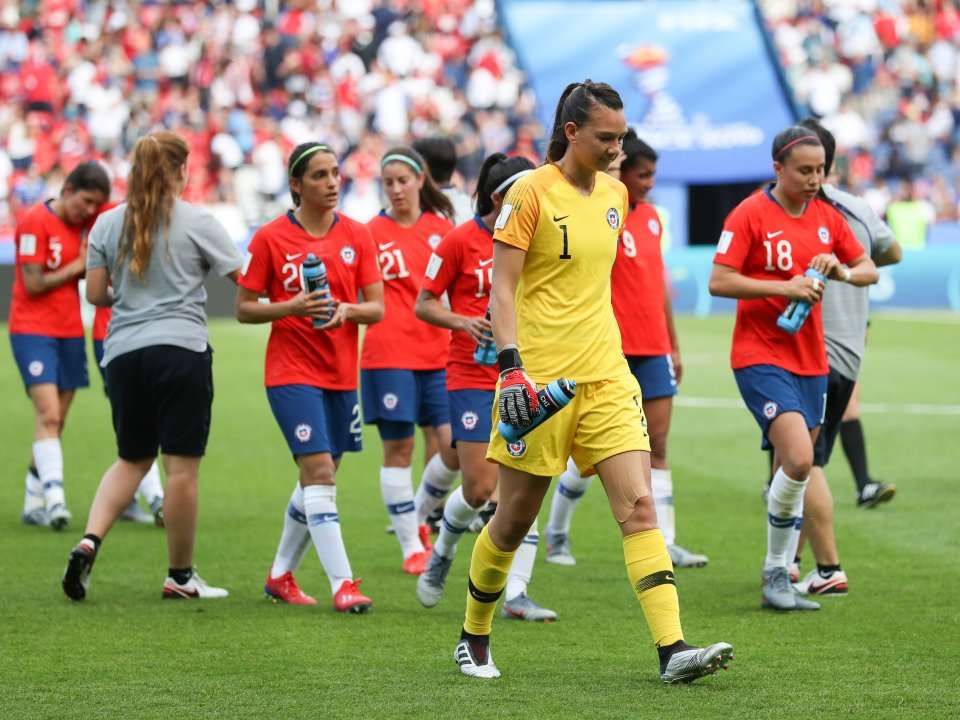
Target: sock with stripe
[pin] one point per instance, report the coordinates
(570, 488)
(651, 575)
(661, 482)
(522, 569)
(48, 456)
(489, 566)
(150, 487)
(32, 492)
(396, 487)
(435, 484)
(295, 537)
(323, 521)
(457, 516)
(784, 513)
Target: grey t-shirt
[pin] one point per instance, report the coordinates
(167, 307)
(846, 307)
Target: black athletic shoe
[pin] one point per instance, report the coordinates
(76, 578)
(874, 493)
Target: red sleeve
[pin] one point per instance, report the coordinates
(257, 269)
(846, 246)
(443, 266)
(32, 241)
(368, 270)
(735, 240)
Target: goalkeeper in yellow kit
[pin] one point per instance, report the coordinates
(555, 244)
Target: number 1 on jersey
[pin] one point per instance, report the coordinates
(565, 255)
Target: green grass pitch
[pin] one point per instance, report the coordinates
(891, 649)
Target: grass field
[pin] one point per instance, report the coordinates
(891, 649)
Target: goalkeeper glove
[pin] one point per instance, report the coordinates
(517, 402)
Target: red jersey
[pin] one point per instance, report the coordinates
(401, 341)
(42, 238)
(462, 267)
(637, 284)
(760, 240)
(298, 354)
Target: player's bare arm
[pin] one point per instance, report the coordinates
(727, 282)
(861, 272)
(37, 282)
(431, 310)
(249, 309)
(367, 312)
(508, 264)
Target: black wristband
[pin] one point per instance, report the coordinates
(509, 359)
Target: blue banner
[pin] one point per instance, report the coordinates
(697, 79)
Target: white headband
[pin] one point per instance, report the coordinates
(510, 180)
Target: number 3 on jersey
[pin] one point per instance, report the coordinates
(784, 255)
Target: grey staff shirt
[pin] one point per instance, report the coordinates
(167, 307)
(846, 307)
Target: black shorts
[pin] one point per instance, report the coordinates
(160, 398)
(839, 390)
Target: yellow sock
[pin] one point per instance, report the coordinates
(489, 566)
(651, 575)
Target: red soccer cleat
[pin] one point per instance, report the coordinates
(285, 589)
(416, 563)
(424, 531)
(350, 599)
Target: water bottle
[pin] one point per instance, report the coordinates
(797, 311)
(553, 398)
(314, 274)
(486, 352)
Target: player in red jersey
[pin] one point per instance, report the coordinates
(311, 372)
(402, 365)
(462, 267)
(46, 331)
(767, 244)
(641, 303)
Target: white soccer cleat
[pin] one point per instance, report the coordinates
(134, 513)
(558, 550)
(683, 558)
(58, 517)
(522, 607)
(687, 665)
(469, 666)
(431, 583)
(196, 588)
(814, 583)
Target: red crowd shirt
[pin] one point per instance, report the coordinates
(42, 238)
(637, 284)
(462, 267)
(298, 354)
(760, 240)
(402, 341)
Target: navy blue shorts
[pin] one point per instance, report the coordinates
(471, 415)
(49, 360)
(770, 391)
(655, 375)
(314, 420)
(397, 400)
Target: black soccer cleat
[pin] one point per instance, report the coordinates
(76, 578)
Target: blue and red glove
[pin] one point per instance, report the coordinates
(517, 401)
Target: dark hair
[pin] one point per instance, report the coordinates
(298, 162)
(497, 169)
(431, 198)
(441, 156)
(788, 139)
(89, 175)
(826, 139)
(575, 104)
(636, 149)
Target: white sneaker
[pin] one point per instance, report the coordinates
(685, 666)
(683, 558)
(558, 550)
(469, 666)
(814, 583)
(196, 588)
(134, 513)
(523, 607)
(58, 517)
(34, 507)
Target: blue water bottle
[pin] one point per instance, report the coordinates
(553, 398)
(486, 352)
(797, 311)
(314, 274)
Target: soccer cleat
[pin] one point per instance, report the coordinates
(468, 664)
(874, 493)
(683, 558)
(196, 588)
(522, 607)
(779, 594)
(685, 666)
(285, 589)
(59, 517)
(36, 516)
(432, 581)
(558, 550)
(134, 513)
(814, 583)
(424, 532)
(349, 598)
(416, 563)
(76, 577)
(156, 507)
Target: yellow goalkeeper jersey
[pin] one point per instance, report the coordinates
(565, 321)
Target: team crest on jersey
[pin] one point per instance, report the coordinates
(390, 401)
(35, 368)
(348, 255)
(517, 449)
(824, 235)
(303, 432)
(770, 410)
(469, 420)
(613, 218)
(653, 226)
(433, 241)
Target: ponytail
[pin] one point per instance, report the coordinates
(432, 198)
(497, 174)
(576, 102)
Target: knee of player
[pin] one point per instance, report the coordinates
(797, 464)
(49, 421)
(642, 517)
(317, 471)
(477, 495)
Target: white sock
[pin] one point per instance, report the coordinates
(784, 508)
(48, 456)
(457, 516)
(32, 492)
(320, 502)
(662, 485)
(396, 487)
(795, 536)
(570, 488)
(150, 487)
(435, 483)
(522, 569)
(295, 537)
